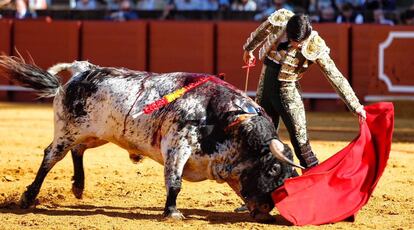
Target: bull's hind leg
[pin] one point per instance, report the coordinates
(53, 154)
(78, 178)
(176, 149)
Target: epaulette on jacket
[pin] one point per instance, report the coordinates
(314, 47)
(280, 17)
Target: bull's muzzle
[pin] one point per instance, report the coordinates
(260, 211)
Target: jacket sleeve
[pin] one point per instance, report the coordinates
(338, 82)
(274, 24)
(258, 36)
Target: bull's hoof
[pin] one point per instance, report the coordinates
(242, 208)
(77, 192)
(174, 215)
(25, 202)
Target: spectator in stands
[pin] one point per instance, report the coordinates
(210, 5)
(86, 5)
(22, 11)
(224, 5)
(244, 5)
(379, 18)
(37, 4)
(348, 15)
(150, 4)
(113, 4)
(4, 3)
(182, 5)
(380, 4)
(388, 5)
(316, 6)
(277, 5)
(407, 18)
(357, 4)
(187, 4)
(262, 5)
(125, 12)
(371, 4)
(327, 14)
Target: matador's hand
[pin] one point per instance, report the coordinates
(248, 57)
(361, 112)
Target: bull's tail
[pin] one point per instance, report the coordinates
(31, 76)
(59, 68)
(75, 67)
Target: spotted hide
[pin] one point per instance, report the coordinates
(213, 132)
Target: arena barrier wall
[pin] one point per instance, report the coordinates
(181, 46)
(115, 44)
(382, 62)
(47, 43)
(360, 52)
(5, 46)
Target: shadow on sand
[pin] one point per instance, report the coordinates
(213, 217)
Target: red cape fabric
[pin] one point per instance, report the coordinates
(338, 188)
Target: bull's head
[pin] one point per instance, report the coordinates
(266, 174)
(268, 162)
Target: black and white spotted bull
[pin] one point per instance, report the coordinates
(212, 132)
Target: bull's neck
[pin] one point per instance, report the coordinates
(225, 163)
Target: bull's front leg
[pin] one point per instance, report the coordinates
(176, 149)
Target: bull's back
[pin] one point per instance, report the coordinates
(101, 104)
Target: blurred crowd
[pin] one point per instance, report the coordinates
(387, 12)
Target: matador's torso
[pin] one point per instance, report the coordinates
(295, 61)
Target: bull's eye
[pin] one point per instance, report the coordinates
(275, 170)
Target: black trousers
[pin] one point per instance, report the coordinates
(282, 99)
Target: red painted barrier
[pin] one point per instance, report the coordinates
(181, 46)
(5, 45)
(47, 42)
(377, 73)
(382, 62)
(115, 44)
(5, 36)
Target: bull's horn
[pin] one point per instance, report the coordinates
(279, 155)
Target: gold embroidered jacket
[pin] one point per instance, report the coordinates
(294, 62)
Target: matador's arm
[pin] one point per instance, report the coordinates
(315, 49)
(258, 36)
(274, 24)
(339, 82)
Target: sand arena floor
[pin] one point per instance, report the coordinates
(122, 195)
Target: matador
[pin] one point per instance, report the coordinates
(289, 46)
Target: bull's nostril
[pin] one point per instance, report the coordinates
(265, 207)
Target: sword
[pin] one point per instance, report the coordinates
(251, 63)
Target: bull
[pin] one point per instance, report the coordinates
(213, 132)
